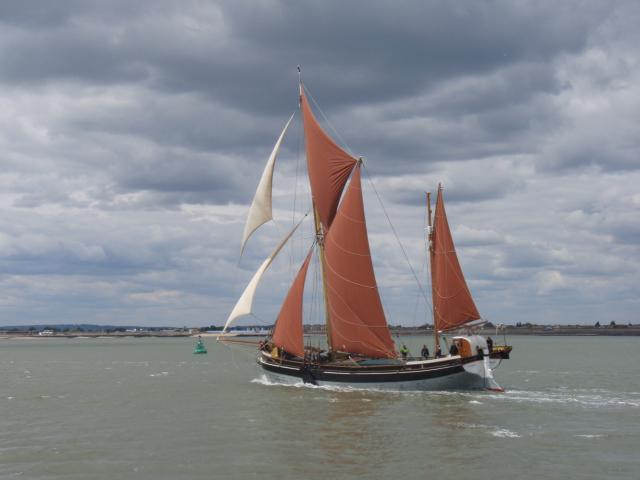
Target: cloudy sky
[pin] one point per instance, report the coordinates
(133, 134)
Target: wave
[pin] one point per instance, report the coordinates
(587, 398)
(580, 397)
(493, 430)
(264, 380)
(504, 433)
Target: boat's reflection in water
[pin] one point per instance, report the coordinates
(370, 433)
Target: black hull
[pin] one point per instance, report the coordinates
(445, 373)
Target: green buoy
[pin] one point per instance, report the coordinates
(200, 348)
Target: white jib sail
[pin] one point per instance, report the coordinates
(245, 302)
(260, 210)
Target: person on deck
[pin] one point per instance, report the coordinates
(438, 351)
(453, 350)
(424, 352)
(404, 351)
(490, 344)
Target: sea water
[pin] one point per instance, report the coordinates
(149, 409)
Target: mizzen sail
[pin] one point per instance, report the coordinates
(453, 305)
(358, 323)
(329, 165)
(288, 333)
(260, 211)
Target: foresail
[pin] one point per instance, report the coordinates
(260, 211)
(453, 305)
(245, 302)
(358, 323)
(287, 332)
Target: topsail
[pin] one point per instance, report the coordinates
(329, 165)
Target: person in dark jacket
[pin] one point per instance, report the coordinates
(490, 344)
(424, 352)
(453, 350)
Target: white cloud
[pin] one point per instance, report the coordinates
(550, 281)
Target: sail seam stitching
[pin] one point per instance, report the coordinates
(330, 238)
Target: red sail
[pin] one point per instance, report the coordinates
(329, 165)
(287, 333)
(452, 302)
(358, 324)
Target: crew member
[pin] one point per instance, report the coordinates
(424, 352)
(490, 344)
(404, 351)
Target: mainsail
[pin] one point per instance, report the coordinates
(288, 333)
(329, 165)
(358, 324)
(245, 302)
(260, 210)
(453, 305)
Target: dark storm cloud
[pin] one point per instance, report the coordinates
(356, 51)
(369, 50)
(244, 57)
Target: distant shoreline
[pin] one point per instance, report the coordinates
(22, 336)
(542, 331)
(556, 331)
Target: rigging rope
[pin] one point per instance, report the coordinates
(404, 252)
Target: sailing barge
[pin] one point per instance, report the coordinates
(360, 351)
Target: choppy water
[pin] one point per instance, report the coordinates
(150, 409)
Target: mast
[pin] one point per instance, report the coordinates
(436, 336)
(320, 241)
